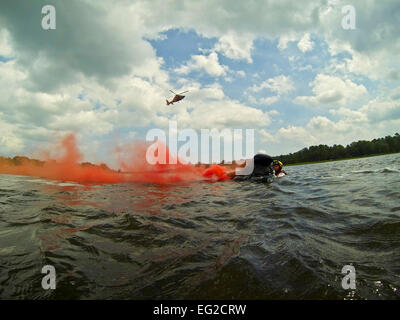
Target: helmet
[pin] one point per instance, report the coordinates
(277, 163)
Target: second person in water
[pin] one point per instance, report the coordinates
(279, 172)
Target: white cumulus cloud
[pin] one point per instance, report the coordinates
(236, 46)
(210, 64)
(332, 91)
(305, 44)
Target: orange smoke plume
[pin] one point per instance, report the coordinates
(132, 160)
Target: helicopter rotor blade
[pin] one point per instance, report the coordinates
(172, 92)
(184, 92)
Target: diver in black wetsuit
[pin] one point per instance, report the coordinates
(262, 170)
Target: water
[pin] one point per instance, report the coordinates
(285, 240)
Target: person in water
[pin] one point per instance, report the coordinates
(262, 169)
(279, 172)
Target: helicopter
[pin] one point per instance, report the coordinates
(177, 97)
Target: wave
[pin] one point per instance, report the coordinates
(384, 170)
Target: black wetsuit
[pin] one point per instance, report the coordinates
(262, 171)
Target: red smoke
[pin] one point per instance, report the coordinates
(132, 160)
(216, 172)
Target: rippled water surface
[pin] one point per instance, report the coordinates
(288, 239)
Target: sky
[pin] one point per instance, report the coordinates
(289, 70)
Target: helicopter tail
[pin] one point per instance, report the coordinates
(168, 103)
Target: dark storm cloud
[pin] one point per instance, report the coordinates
(82, 42)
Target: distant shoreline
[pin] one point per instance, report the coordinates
(20, 160)
(341, 159)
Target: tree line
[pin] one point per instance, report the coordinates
(388, 144)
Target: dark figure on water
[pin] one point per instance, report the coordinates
(262, 171)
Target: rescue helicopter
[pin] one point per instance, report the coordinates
(177, 97)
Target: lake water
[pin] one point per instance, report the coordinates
(287, 239)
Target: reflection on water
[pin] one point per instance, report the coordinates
(285, 240)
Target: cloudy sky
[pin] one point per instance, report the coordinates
(287, 69)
